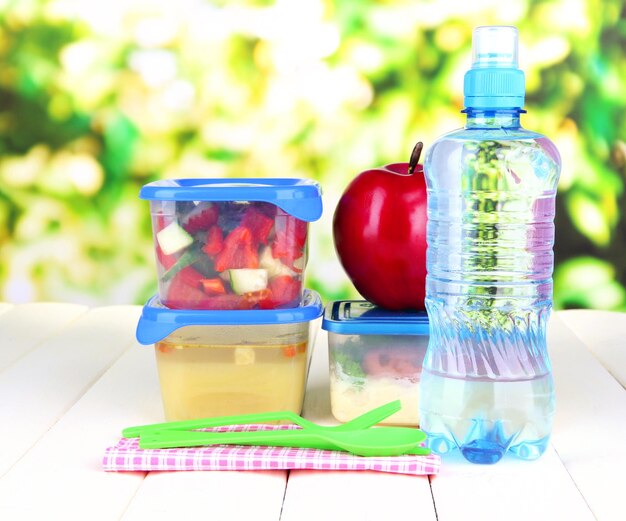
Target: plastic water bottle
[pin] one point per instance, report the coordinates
(486, 385)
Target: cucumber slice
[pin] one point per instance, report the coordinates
(274, 267)
(173, 238)
(247, 280)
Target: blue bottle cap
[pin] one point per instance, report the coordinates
(301, 198)
(360, 317)
(157, 321)
(495, 80)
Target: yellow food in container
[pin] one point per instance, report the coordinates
(216, 363)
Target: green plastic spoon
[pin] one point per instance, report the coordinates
(381, 441)
(364, 421)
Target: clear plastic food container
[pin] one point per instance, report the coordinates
(375, 356)
(231, 244)
(216, 363)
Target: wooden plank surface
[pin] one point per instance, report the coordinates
(604, 334)
(43, 384)
(76, 388)
(590, 422)
(511, 490)
(4, 307)
(579, 477)
(165, 496)
(64, 466)
(24, 327)
(459, 491)
(61, 476)
(348, 495)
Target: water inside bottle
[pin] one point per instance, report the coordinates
(485, 418)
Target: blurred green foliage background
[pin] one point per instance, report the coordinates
(98, 98)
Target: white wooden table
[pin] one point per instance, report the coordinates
(71, 378)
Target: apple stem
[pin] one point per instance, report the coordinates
(415, 156)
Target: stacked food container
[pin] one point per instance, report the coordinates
(375, 356)
(231, 322)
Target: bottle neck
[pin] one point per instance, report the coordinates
(493, 118)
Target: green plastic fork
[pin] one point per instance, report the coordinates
(381, 441)
(364, 421)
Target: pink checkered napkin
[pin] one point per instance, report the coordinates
(127, 456)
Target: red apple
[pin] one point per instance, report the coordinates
(379, 229)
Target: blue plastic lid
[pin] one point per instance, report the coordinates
(360, 317)
(157, 321)
(495, 79)
(301, 198)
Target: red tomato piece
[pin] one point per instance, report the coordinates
(285, 291)
(293, 226)
(259, 299)
(167, 261)
(227, 301)
(298, 228)
(286, 248)
(238, 251)
(398, 363)
(214, 241)
(289, 351)
(164, 348)
(201, 220)
(259, 224)
(184, 291)
(213, 286)
(300, 231)
(162, 221)
(190, 276)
